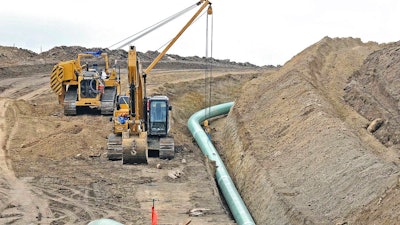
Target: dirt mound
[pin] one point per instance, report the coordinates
(63, 53)
(306, 151)
(374, 91)
(12, 55)
(15, 61)
(82, 137)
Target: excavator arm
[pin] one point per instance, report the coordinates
(136, 89)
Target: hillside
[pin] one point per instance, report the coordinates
(308, 151)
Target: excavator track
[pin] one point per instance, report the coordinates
(167, 148)
(132, 154)
(114, 147)
(134, 151)
(70, 101)
(108, 100)
(162, 147)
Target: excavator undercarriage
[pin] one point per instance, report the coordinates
(107, 102)
(133, 151)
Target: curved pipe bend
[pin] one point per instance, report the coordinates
(228, 189)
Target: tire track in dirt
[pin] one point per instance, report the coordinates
(63, 204)
(21, 205)
(24, 88)
(52, 206)
(65, 207)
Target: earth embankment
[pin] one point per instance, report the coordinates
(299, 154)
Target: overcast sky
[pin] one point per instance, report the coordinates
(259, 32)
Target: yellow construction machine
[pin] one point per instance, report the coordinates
(89, 85)
(141, 123)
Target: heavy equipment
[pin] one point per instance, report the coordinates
(141, 124)
(89, 85)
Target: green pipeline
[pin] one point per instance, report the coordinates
(225, 183)
(105, 222)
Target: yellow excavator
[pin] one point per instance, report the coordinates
(141, 124)
(86, 85)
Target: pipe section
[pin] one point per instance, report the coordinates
(105, 222)
(228, 189)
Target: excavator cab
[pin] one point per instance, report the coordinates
(160, 144)
(158, 115)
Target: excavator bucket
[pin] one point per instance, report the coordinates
(134, 151)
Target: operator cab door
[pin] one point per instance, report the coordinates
(158, 116)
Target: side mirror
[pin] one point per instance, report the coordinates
(170, 107)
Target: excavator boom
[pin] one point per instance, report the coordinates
(159, 57)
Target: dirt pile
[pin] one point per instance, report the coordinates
(374, 92)
(300, 154)
(16, 61)
(12, 55)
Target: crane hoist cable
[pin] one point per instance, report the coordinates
(153, 27)
(209, 61)
(163, 45)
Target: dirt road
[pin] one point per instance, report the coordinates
(20, 201)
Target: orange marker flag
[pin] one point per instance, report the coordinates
(154, 216)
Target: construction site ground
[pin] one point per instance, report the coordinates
(298, 144)
(54, 168)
